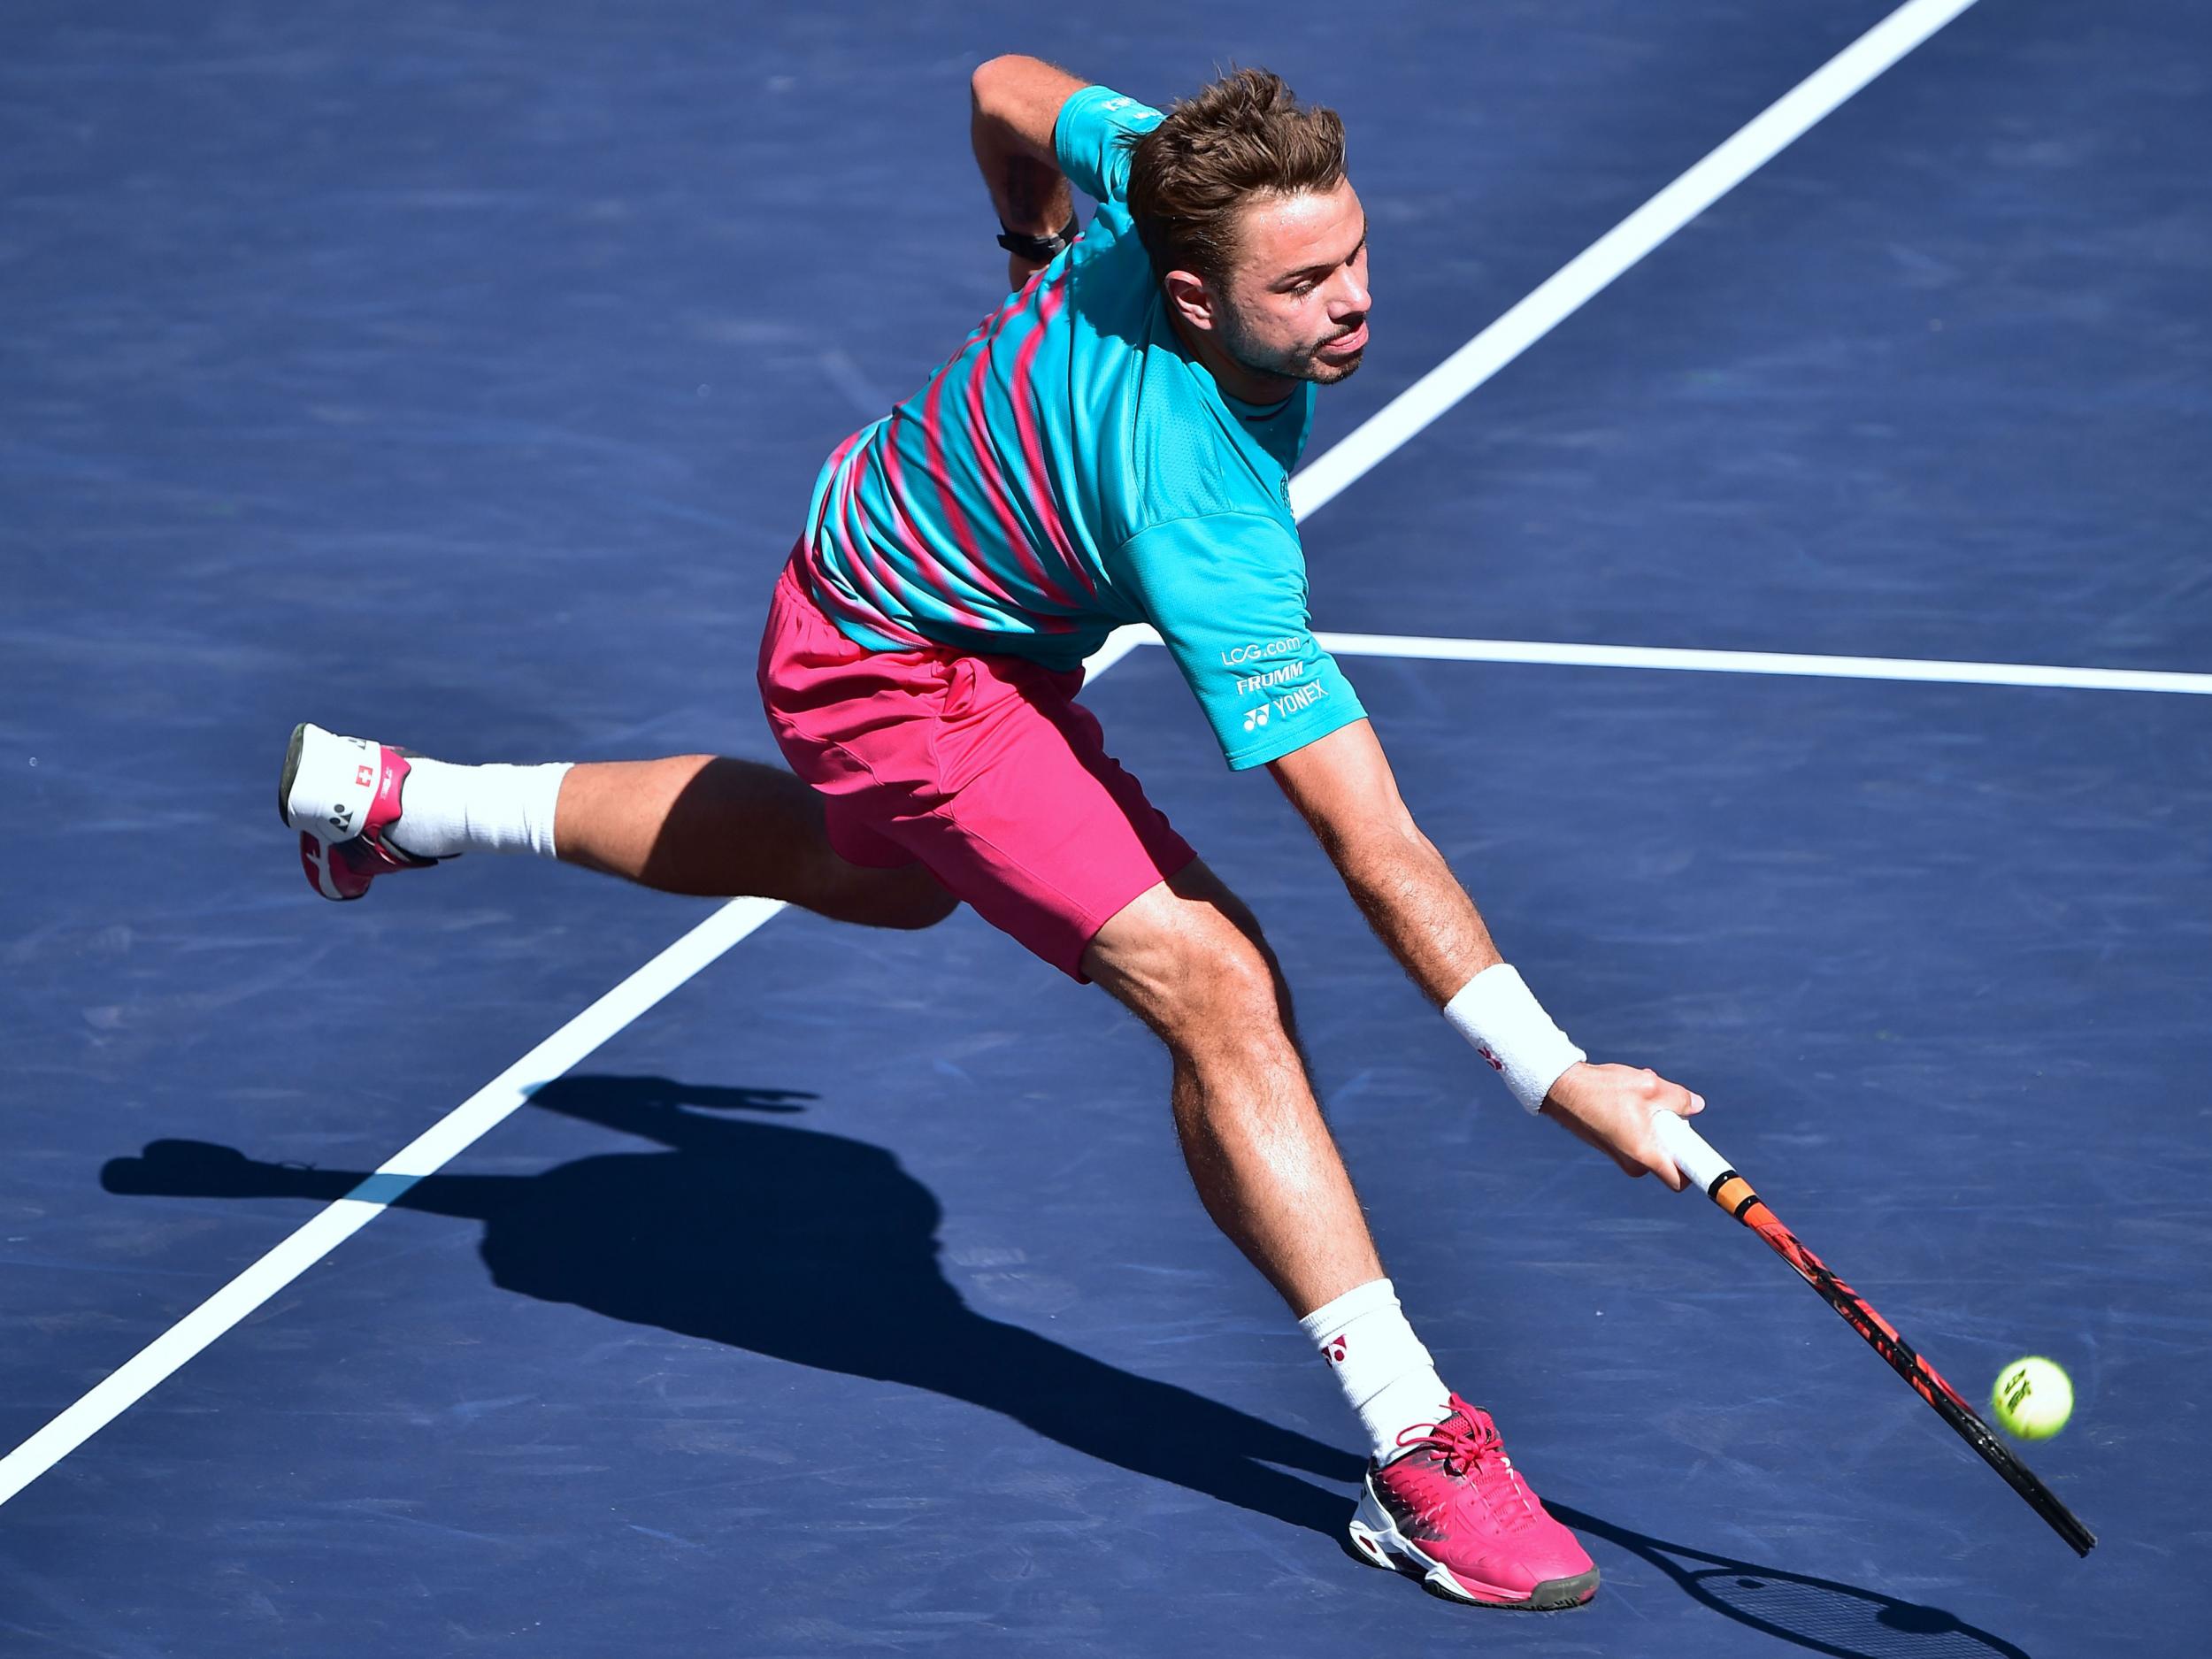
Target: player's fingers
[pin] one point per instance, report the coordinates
(1683, 1104)
(1650, 1155)
(1663, 1168)
(1649, 1158)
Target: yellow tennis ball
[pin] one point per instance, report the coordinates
(2033, 1399)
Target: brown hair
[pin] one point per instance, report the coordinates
(1243, 137)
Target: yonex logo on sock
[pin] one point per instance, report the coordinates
(1496, 1064)
(1332, 1350)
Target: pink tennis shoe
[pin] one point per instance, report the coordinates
(343, 795)
(1452, 1508)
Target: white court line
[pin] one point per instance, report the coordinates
(1762, 663)
(1322, 480)
(1581, 278)
(1546, 653)
(430, 1151)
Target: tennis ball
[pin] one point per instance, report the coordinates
(2033, 1399)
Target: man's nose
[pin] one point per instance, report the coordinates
(1351, 296)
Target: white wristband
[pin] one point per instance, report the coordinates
(1499, 1014)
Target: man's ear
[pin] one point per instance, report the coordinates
(1189, 298)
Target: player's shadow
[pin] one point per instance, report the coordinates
(801, 1245)
(1840, 1620)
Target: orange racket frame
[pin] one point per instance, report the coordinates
(1704, 1168)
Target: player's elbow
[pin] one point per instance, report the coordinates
(989, 80)
(1011, 87)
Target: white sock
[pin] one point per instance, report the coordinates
(1387, 1375)
(446, 808)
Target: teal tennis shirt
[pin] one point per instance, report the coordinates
(1072, 467)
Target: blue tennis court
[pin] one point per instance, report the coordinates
(459, 373)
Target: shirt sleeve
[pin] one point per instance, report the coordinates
(1227, 592)
(1087, 140)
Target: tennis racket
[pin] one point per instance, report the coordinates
(1705, 1168)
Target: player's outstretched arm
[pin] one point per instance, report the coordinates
(1343, 787)
(1015, 100)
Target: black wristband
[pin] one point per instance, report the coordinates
(1039, 248)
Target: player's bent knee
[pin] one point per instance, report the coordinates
(1225, 990)
(929, 906)
(1259, 1016)
(1188, 958)
(910, 899)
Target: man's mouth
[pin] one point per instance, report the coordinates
(1345, 345)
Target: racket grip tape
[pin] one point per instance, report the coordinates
(1702, 1167)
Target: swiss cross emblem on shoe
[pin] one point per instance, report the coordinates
(364, 776)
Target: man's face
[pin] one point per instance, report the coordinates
(1297, 301)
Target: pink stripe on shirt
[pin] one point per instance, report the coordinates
(875, 580)
(948, 501)
(995, 492)
(836, 603)
(1033, 446)
(834, 520)
(928, 566)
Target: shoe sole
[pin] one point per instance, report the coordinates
(291, 773)
(328, 783)
(1375, 1540)
(314, 853)
(323, 820)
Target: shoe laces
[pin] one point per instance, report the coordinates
(1466, 1441)
(1464, 1438)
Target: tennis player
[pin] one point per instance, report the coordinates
(1111, 445)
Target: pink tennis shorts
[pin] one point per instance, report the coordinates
(982, 768)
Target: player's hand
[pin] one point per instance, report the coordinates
(1610, 1107)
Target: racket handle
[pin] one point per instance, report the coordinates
(1702, 1167)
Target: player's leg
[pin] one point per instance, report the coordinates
(1187, 958)
(985, 769)
(1441, 1496)
(714, 826)
(695, 823)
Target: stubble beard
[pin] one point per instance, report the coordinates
(1295, 363)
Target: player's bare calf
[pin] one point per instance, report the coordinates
(702, 825)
